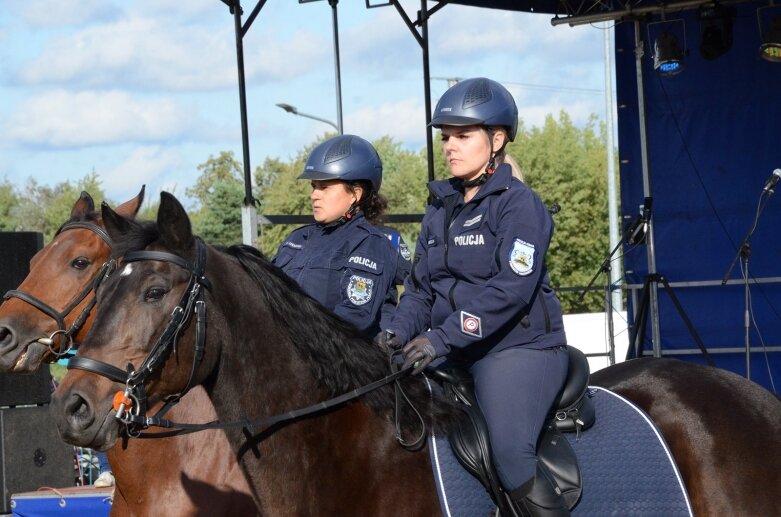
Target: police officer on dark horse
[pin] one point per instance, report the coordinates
(479, 291)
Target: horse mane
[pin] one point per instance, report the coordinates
(341, 356)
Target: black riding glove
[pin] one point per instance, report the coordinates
(418, 352)
(387, 341)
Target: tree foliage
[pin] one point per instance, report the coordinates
(566, 165)
(219, 196)
(43, 208)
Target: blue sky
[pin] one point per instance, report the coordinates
(142, 92)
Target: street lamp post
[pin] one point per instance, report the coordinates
(294, 111)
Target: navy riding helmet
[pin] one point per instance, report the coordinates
(477, 101)
(346, 158)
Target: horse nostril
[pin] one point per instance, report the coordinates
(79, 411)
(7, 338)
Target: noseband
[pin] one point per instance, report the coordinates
(67, 333)
(131, 404)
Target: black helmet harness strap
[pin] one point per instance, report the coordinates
(491, 166)
(348, 214)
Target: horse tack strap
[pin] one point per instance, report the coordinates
(94, 228)
(180, 428)
(99, 367)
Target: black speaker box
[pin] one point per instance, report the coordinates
(31, 453)
(16, 250)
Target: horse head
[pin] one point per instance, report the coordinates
(51, 308)
(132, 353)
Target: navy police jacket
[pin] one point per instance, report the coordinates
(349, 268)
(479, 281)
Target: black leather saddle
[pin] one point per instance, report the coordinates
(574, 412)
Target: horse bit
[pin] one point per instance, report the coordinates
(67, 333)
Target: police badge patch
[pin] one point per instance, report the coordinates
(404, 250)
(359, 290)
(471, 325)
(522, 257)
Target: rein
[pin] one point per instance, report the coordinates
(131, 405)
(59, 317)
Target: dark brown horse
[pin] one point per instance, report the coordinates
(267, 349)
(194, 475)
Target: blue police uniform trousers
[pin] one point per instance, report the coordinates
(515, 388)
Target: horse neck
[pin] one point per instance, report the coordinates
(261, 374)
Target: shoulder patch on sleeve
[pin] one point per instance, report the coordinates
(360, 290)
(471, 325)
(404, 250)
(522, 257)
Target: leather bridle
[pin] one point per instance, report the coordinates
(132, 404)
(59, 317)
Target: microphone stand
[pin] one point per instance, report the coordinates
(606, 268)
(744, 253)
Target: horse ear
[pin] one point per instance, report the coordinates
(130, 208)
(174, 225)
(114, 223)
(83, 206)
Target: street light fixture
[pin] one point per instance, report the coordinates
(294, 111)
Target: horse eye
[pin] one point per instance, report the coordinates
(80, 263)
(153, 294)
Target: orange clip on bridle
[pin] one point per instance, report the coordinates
(122, 402)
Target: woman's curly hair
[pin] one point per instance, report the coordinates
(372, 203)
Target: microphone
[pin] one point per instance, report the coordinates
(770, 184)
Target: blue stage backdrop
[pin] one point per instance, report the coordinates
(714, 138)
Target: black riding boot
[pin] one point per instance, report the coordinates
(539, 497)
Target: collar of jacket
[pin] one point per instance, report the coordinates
(357, 218)
(500, 180)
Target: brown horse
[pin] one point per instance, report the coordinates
(194, 474)
(180, 312)
(268, 348)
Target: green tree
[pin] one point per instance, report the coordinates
(44, 208)
(566, 165)
(9, 200)
(282, 193)
(219, 196)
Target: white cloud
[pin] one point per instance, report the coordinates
(579, 111)
(152, 166)
(403, 120)
(63, 119)
(57, 13)
(148, 53)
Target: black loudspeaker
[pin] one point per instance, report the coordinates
(31, 453)
(16, 250)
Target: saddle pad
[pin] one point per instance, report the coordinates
(626, 468)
